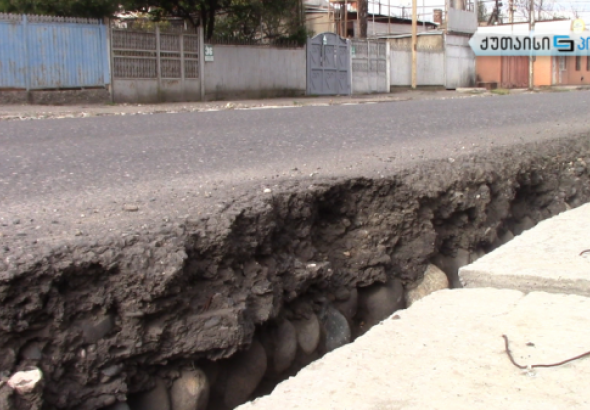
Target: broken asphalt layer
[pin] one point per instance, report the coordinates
(93, 274)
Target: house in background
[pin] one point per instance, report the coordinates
(444, 58)
(341, 17)
(513, 72)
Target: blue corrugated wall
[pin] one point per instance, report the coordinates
(46, 55)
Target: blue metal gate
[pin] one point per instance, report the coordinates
(42, 52)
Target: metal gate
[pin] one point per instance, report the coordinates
(156, 64)
(370, 68)
(328, 65)
(515, 72)
(46, 52)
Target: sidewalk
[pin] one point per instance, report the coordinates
(37, 112)
(27, 112)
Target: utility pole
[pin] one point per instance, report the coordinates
(495, 16)
(414, 43)
(531, 58)
(388, 16)
(511, 11)
(364, 14)
(345, 19)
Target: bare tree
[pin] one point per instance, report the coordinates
(545, 9)
(569, 9)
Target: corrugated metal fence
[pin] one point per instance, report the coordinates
(42, 52)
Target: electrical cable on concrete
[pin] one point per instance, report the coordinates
(509, 353)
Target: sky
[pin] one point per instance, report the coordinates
(558, 8)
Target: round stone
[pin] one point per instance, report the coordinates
(285, 346)
(308, 333)
(244, 373)
(190, 391)
(336, 329)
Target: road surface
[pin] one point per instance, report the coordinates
(74, 172)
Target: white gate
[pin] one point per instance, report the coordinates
(370, 66)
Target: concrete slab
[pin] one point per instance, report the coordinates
(447, 352)
(544, 258)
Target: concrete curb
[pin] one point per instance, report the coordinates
(546, 258)
(36, 112)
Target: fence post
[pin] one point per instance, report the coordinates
(158, 60)
(350, 78)
(388, 65)
(202, 61)
(182, 64)
(109, 63)
(369, 74)
(28, 59)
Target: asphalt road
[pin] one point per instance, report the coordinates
(76, 170)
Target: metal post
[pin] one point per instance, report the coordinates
(110, 57)
(388, 64)
(158, 61)
(374, 17)
(202, 61)
(414, 43)
(369, 63)
(511, 11)
(388, 17)
(349, 46)
(182, 73)
(445, 17)
(531, 58)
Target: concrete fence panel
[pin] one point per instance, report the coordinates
(460, 62)
(241, 71)
(442, 60)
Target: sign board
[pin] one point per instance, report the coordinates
(209, 55)
(578, 26)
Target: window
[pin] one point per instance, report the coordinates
(578, 63)
(588, 63)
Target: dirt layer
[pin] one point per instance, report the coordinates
(105, 319)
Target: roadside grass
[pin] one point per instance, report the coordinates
(500, 91)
